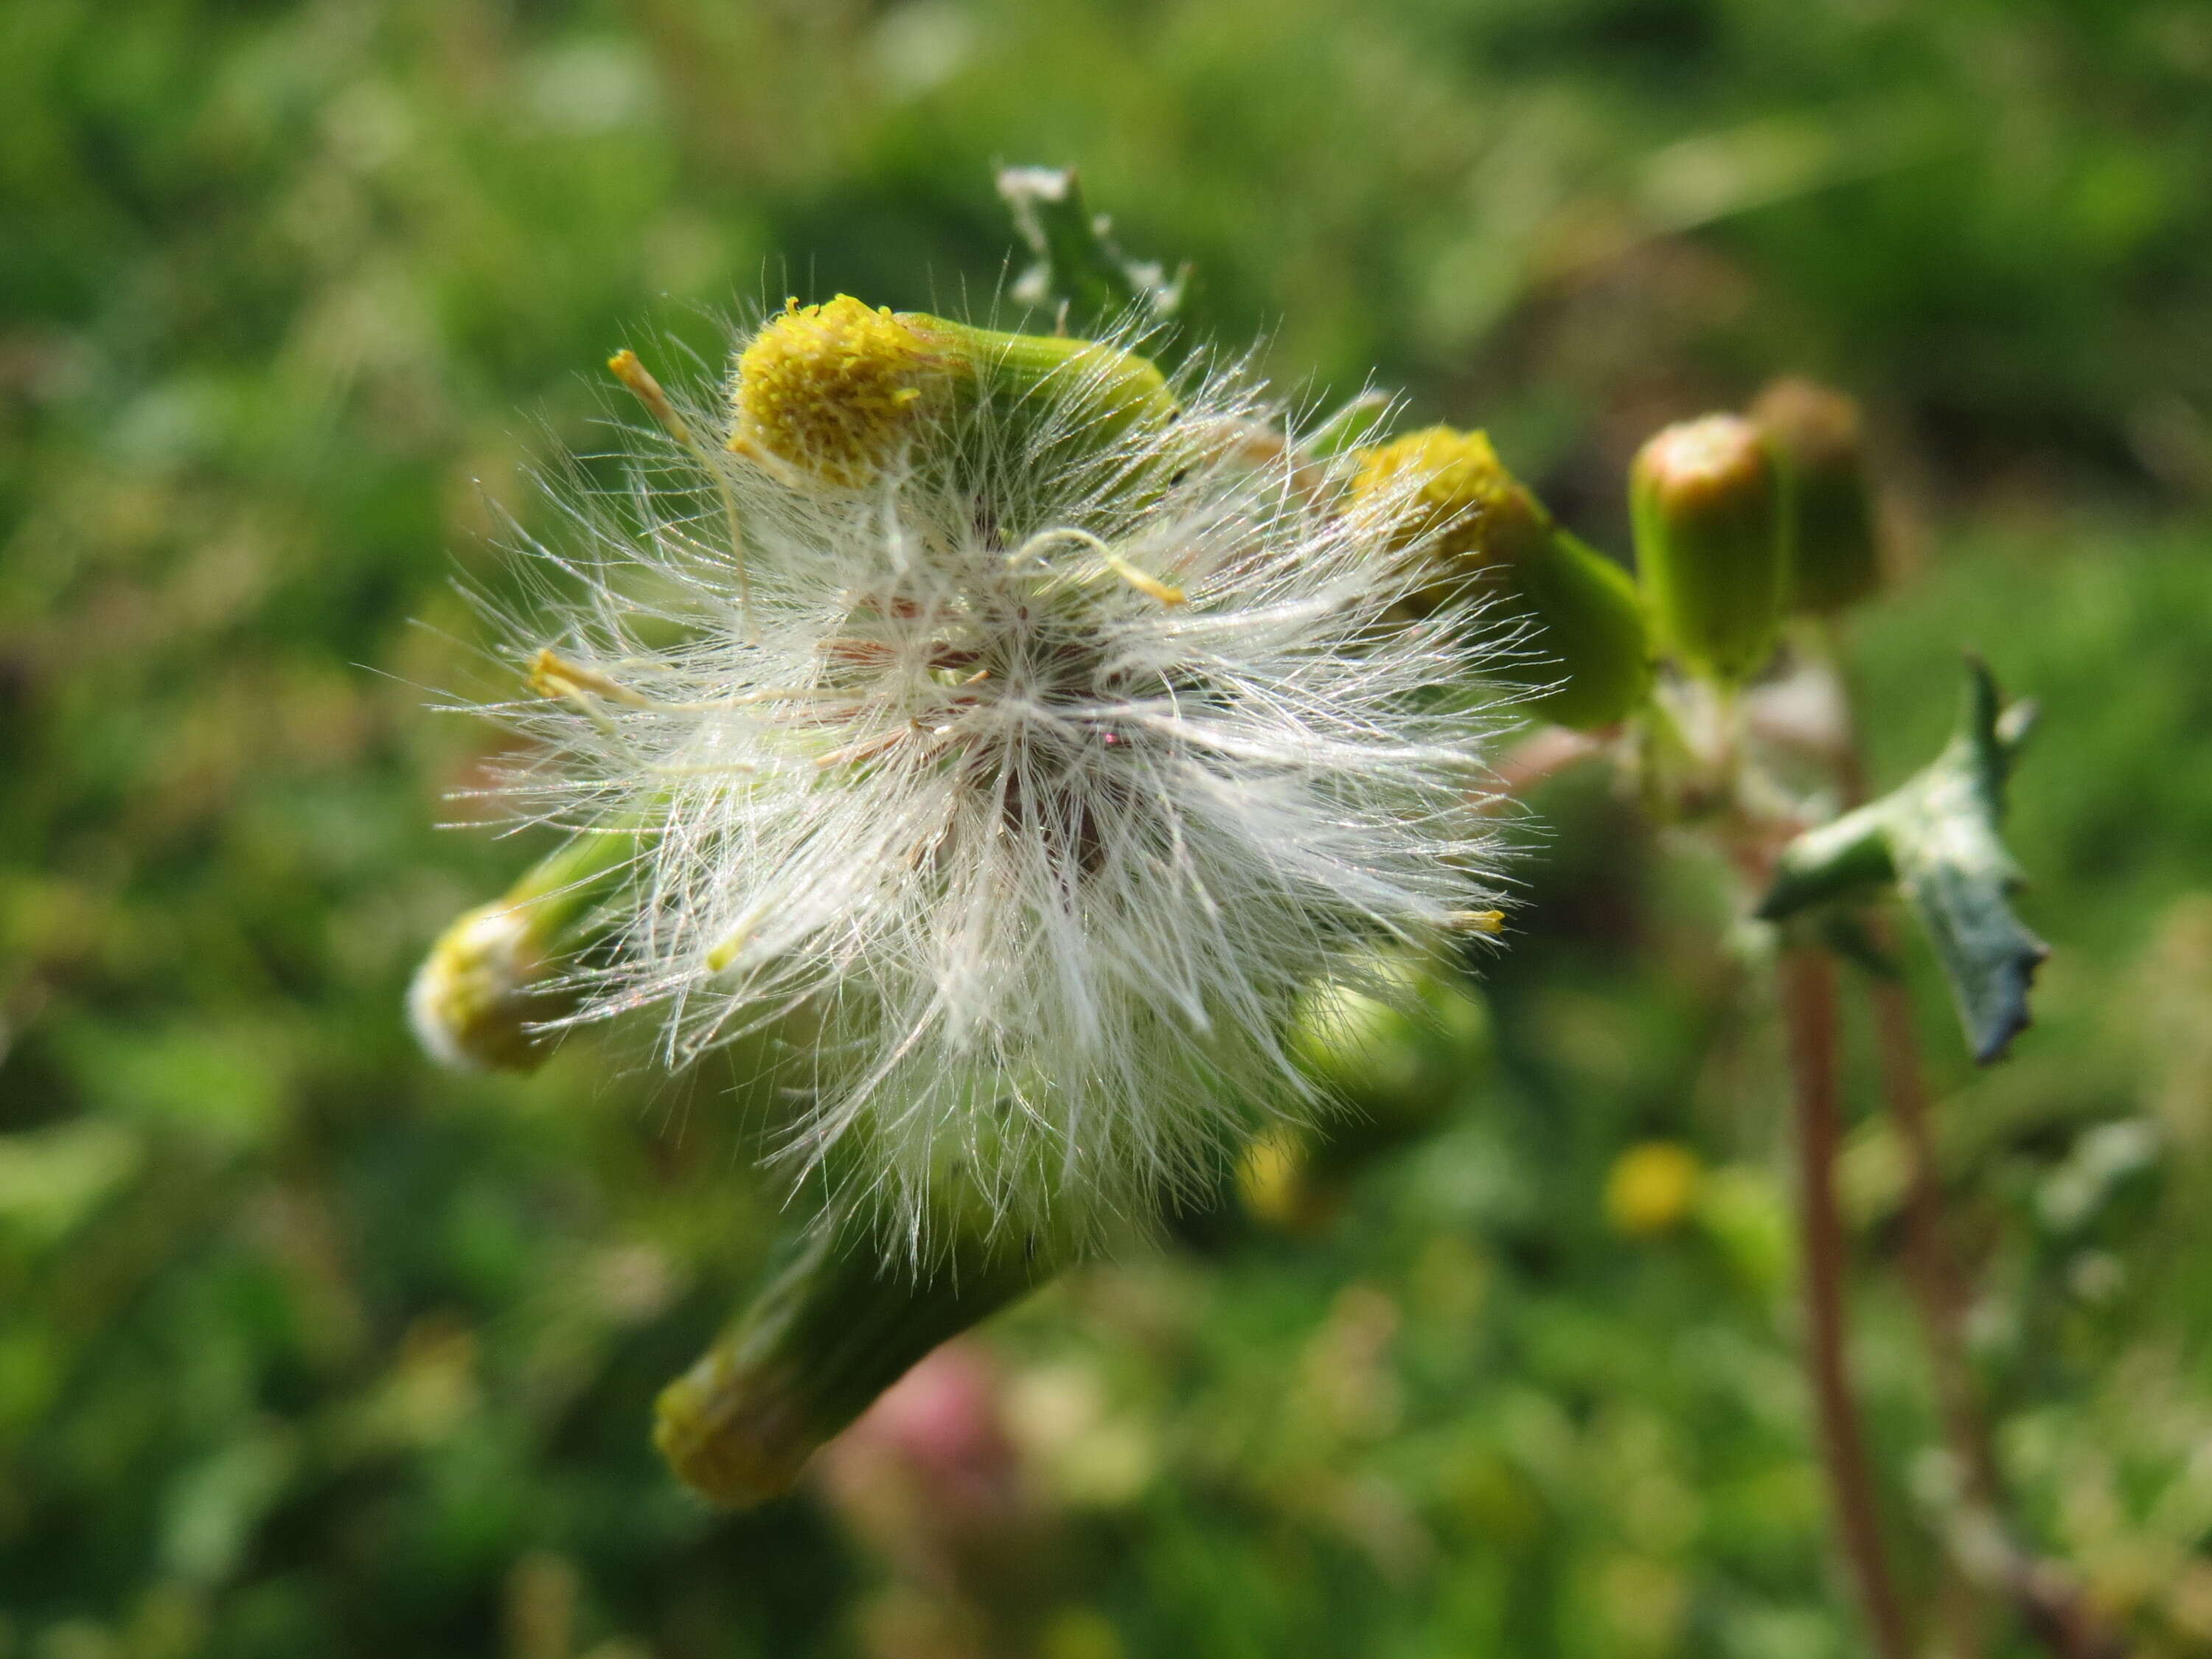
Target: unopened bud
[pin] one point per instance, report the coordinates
(488, 993)
(1397, 1051)
(1396, 1054)
(828, 1335)
(1834, 552)
(1706, 500)
(1450, 498)
(835, 393)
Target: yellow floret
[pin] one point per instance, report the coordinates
(830, 391)
(1448, 491)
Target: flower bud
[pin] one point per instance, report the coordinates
(1834, 554)
(1472, 520)
(833, 393)
(1397, 1051)
(1705, 497)
(838, 1326)
(485, 996)
(1395, 1054)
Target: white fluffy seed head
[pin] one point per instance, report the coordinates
(1021, 789)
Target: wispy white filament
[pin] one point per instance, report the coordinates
(1025, 794)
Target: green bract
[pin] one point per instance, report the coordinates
(1592, 622)
(832, 1331)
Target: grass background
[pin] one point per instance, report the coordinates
(306, 1347)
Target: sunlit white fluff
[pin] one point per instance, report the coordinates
(1021, 795)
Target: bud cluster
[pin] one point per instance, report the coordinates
(1741, 521)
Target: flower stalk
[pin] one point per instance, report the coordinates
(1983, 1537)
(1808, 988)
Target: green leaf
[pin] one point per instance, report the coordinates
(1935, 836)
(1079, 268)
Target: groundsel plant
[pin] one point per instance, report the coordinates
(1070, 780)
(1010, 737)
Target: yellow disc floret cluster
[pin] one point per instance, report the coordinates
(1450, 493)
(830, 391)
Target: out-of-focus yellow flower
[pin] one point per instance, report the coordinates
(1279, 1185)
(1079, 1633)
(1651, 1187)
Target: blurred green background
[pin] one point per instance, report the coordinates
(307, 1348)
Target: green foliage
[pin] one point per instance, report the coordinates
(309, 1348)
(1080, 271)
(1935, 836)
